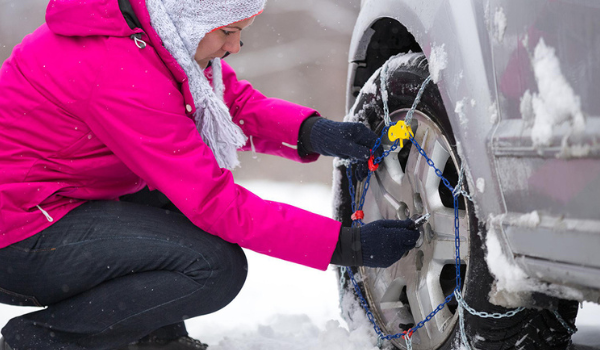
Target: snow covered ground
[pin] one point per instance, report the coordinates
(287, 306)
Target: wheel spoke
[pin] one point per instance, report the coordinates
(435, 296)
(374, 207)
(444, 251)
(443, 235)
(387, 205)
(393, 303)
(431, 181)
(389, 188)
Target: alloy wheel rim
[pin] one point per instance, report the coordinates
(406, 186)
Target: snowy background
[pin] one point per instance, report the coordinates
(283, 305)
(297, 50)
(291, 307)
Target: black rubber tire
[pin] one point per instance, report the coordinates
(531, 329)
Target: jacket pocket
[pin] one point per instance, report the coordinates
(75, 146)
(12, 298)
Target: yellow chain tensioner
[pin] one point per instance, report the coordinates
(400, 131)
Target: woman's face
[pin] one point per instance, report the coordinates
(218, 42)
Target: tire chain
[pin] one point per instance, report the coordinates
(456, 191)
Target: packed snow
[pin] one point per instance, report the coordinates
(577, 150)
(499, 24)
(460, 111)
(372, 87)
(526, 108)
(438, 61)
(480, 185)
(509, 277)
(529, 220)
(401, 60)
(525, 41)
(511, 282)
(555, 102)
(493, 110)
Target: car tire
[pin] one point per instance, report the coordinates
(530, 329)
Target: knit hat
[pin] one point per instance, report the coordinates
(181, 25)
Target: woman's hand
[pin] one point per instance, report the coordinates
(377, 244)
(343, 140)
(384, 242)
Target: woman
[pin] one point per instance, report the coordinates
(112, 99)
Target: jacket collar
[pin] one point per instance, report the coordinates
(130, 17)
(141, 12)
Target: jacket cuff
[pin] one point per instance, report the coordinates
(348, 251)
(304, 147)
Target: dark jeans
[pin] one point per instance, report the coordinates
(110, 273)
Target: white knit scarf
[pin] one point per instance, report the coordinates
(181, 25)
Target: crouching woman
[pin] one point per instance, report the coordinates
(119, 125)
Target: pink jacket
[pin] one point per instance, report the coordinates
(87, 115)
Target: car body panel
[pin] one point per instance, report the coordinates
(490, 48)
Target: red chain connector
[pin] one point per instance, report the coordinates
(372, 166)
(408, 334)
(358, 215)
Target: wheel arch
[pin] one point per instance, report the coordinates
(423, 26)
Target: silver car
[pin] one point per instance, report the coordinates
(512, 114)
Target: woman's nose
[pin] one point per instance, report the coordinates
(229, 53)
(233, 46)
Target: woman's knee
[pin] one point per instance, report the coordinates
(235, 269)
(228, 269)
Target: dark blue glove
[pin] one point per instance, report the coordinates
(377, 244)
(338, 139)
(384, 242)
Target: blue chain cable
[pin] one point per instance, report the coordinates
(407, 335)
